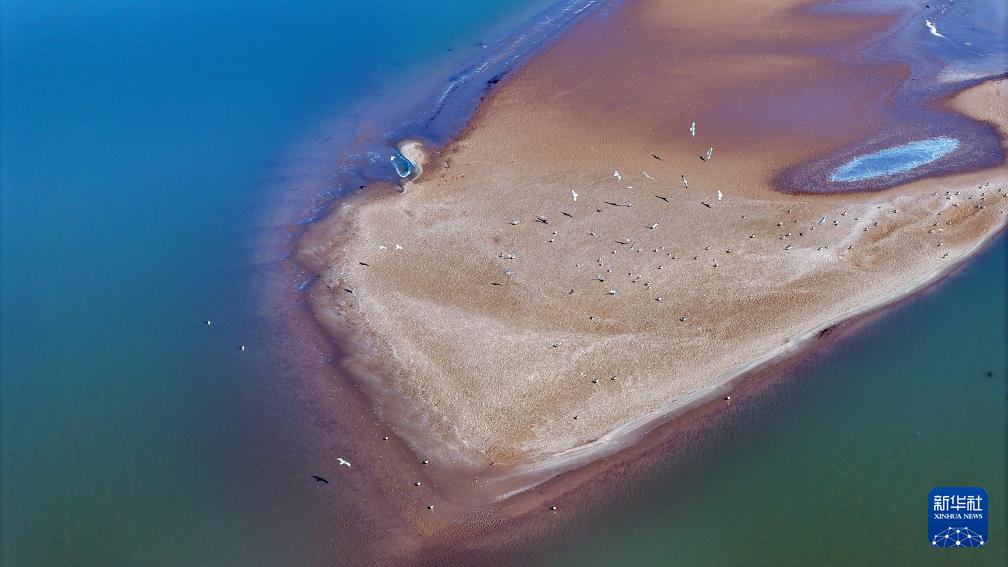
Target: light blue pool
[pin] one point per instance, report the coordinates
(898, 159)
(403, 166)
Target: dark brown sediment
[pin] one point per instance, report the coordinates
(773, 90)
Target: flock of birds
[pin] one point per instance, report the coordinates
(706, 157)
(788, 228)
(801, 230)
(633, 245)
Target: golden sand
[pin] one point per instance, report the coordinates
(519, 332)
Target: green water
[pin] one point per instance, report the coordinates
(835, 466)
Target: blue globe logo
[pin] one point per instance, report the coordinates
(957, 537)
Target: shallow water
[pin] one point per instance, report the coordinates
(403, 166)
(974, 46)
(899, 159)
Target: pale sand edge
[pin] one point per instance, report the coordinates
(623, 435)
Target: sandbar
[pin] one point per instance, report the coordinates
(520, 332)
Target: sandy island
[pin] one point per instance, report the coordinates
(519, 332)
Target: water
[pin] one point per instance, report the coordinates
(895, 160)
(834, 466)
(140, 143)
(403, 166)
(975, 46)
(139, 140)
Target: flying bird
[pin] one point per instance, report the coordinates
(933, 28)
(648, 176)
(692, 129)
(574, 193)
(719, 195)
(617, 175)
(710, 150)
(685, 181)
(343, 461)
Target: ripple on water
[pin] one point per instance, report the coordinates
(895, 160)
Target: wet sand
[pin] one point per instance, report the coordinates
(472, 305)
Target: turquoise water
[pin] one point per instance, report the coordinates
(138, 140)
(403, 166)
(895, 160)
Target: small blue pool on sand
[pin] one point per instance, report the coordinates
(402, 165)
(895, 160)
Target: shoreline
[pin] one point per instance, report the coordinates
(790, 353)
(306, 186)
(683, 406)
(430, 447)
(520, 517)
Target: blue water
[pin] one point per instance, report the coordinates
(403, 166)
(140, 141)
(899, 159)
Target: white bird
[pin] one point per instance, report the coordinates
(243, 348)
(343, 461)
(692, 129)
(685, 181)
(719, 195)
(710, 150)
(574, 193)
(648, 176)
(933, 28)
(209, 322)
(617, 175)
(822, 220)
